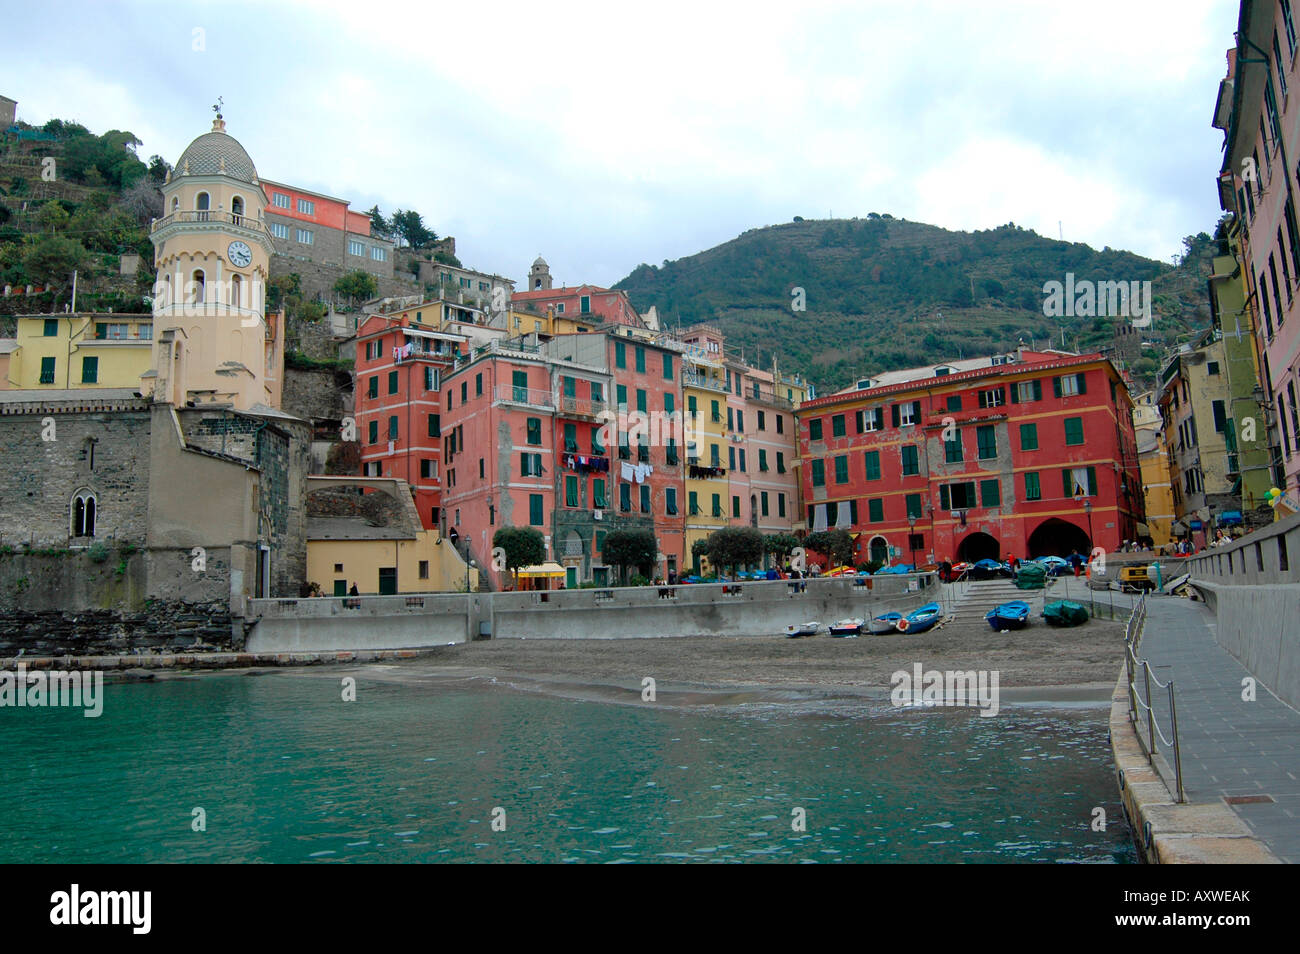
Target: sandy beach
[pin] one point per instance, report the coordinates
(1078, 663)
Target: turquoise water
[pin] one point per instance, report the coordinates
(287, 772)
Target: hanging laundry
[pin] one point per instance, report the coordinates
(819, 517)
(626, 471)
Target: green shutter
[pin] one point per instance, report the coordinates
(1092, 481)
(1028, 437)
(819, 473)
(1032, 489)
(873, 465)
(842, 470)
(876, 510)
(944, 498)
(1038, 390)
(1056, 387)
(1083, 382)
(990, 493)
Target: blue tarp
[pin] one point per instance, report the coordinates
(1229, 517)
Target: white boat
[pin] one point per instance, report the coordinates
(795, 630)
(847, 627)
(885, 623)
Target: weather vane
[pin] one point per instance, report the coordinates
(217, 107)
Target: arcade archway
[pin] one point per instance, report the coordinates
(978, 546)
(1057, 537)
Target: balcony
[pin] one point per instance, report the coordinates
(581, 407)
(527, 397)
(692, 380)
(695, 472)
(213, 217)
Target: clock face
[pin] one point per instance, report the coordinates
(239, 254)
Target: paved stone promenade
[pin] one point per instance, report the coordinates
(1230, 747)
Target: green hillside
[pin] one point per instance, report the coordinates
(884, 293)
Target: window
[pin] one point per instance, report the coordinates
(875, 510)
(535, 510)
(620, 392)
(1032, 489)
(717, 505)
(304, 236)
(571, 438)
(954, 402)
(1080, 480)
(913, 504)
(645, 498)
(905, 415)
(873, 465)
(597, 393)
(986, 439)
(693, 503)
(670, 405)
(819, 473)
(559, 308)
(815, 429)
(378, 254)
(373, 389)
(957, 496)
(911, 460)
(90, 371)
(620, 355)
(435, 425)
(717, 414)
(428, 469)
(762, 419)
(1070, 385)
(990, 493)
(1220, 416)
(519, 380)
(952, 450)
(740, 421)
(534, 430)
(837, 426)
(1028, 437)
(530, 465)
(1025, 391)
(424, 569)
(280, 230)
(478, 384)
(356, 248)
(992, 397)
(83, 514)
(780, 462)
(584, 304)
(1211, 367)
(374, 432)
(668, 366)
(842, 469)
(780, 505)
(464, 392)
(392, 384)
(731, 419)
(762, 459)
(625, 497)
(47, 370)
(670, 501)
(640, 400)
(392, 427)
(570, 491)
(731, 457)
(1073, 430)
(306, 207)
(1278, 63)
(1289, 24)
(51, 328)
(742, 460)
(598, 493)
(280, 200)
(640, 359)
(780, 424)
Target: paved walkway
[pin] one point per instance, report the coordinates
(1229, 747)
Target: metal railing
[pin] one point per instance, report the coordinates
(534, 397)
(1133, 665)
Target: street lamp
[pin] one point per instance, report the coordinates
(1087, 509)
(911, 537)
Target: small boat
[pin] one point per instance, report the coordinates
(1031, 576)
(847, 627)
(988, 569)
(795, 630)
(1065, 613)
(1010, 615)
(884, 623)
(919, 620)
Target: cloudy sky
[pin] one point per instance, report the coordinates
(604, 135)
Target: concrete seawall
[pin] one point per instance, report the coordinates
(734, 609)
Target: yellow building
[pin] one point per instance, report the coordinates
(1153, 458)
(399, 556)
(67, 352)
(705, 392)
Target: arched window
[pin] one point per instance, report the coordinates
(236, 287)
(83, 514)
(237, 208)
(176, 203)
(197, 291)
(201, 203)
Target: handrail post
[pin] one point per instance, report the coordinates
(1151, 716)
(1178, 751)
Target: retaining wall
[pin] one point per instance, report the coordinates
(720, 609)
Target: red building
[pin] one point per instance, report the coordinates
(582, 301)
(401, 359)
(1026, 454)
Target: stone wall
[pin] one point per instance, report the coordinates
(317, 279)
(41, 476)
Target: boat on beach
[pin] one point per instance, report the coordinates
(1065, 613)
(795, 630)
(884, 623)
(921, 619)
(847, 627)
(1010, 615)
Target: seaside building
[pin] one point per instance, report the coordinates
(1025, 454)
(1258, 183)
(1153, 460)
(311, 228)
(585, 302)
(705, 392)
(76, 351)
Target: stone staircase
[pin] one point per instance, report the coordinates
(982, 595)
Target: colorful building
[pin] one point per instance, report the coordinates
(310, 226)
(1153, 460)
(68, 352)
(1025, 454)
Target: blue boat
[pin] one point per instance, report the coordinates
(1011, 615)
(919, 620)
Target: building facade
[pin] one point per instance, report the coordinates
(1026, 454)
(309, 226)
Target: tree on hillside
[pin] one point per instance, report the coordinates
(735, 547)
(51, 259)
(356, 284)
(410, 228)
(631, 548)
(523, 546)
(380, 226)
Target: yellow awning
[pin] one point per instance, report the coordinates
(542, 570)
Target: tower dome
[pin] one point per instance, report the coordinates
(217, 153)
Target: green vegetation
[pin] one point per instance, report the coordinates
(734, 547)
(631, 548)
(301, 362)
(835, 545)
(883, 293)
(356, 285)
(523, 546)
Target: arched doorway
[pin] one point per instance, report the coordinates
(1057, 537)
(978, 546)
(878, 550)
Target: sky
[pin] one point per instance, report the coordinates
(605, 135)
